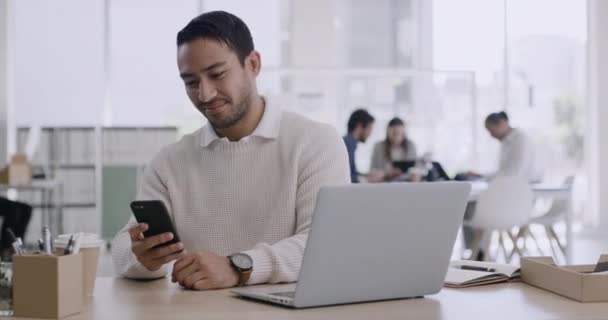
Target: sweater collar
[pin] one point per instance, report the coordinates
(268, 127)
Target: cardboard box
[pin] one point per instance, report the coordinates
(575, 282)
(19, 171)
(47, 286)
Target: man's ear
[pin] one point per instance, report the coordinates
(253, 62)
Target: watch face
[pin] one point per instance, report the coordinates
(242, 261)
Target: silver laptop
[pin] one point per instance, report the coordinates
(374, 242)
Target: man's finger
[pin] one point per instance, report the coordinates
(151, 242)
(181, 275)
(136, 232)
(192, 279)
(138, 248)
(171, 257)
(163, 251)
(182, 263)
(202, 284)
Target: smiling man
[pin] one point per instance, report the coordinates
(241, 190)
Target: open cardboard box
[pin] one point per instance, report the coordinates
(47, 286)
(577, 282)
(18, 172)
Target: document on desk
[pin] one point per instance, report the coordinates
(464, 273)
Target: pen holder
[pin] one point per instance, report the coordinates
(47, 286)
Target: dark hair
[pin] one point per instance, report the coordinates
(359, 116)
(221, 26)
(497, 117)
(395, 122)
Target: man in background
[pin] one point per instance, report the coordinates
(517, 158)
(16, 216)
(517, 154)
(360, 125)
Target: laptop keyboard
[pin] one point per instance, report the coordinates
(285, 294)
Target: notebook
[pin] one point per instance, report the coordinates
(465, 273)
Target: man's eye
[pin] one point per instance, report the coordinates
(218, 75)
(192, 84)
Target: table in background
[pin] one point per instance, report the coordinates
(51, 192)
(542, 191)
(160, 299)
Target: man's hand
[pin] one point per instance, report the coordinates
(144, 248)
(203, 271)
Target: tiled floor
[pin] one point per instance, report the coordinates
(588, 245)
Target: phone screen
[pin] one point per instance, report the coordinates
(155, 214)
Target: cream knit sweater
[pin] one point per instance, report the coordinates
(256, 195)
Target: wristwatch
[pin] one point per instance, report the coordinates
(243, 264)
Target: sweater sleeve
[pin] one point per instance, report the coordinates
(125, 262)
(322, 162)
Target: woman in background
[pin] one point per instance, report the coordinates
(396, 147)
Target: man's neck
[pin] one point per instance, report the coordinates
(247, 124)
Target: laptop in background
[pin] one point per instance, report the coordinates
(438, 174)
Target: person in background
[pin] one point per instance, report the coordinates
(360, 125)
(16, 216)
(396, 147)
(516, 159)
(517, 156)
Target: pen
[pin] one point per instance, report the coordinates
(77, 242)
(69, 248)
(15, 242)
(46, 234)
(41, 245)
(18, 246)
(474, 268)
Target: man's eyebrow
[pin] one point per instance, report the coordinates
(184, 75)
(213, 66)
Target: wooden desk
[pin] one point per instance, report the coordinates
(126, 299)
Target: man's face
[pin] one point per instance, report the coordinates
(216, 82)
(366, 132)
(498, 131)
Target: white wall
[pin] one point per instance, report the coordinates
(61, 64)
(263, 17)
(597, 148)
(58, 62)
(3, 80)
(313, 44)
(145, 85)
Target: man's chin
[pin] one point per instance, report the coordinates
(222, 122)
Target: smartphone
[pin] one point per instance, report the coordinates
(155, 214)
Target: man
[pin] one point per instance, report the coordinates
(16, 216)
(517, 156)
(516, 159)
(360, 125)
(240, 190)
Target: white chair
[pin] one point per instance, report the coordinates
(556, 213)
(507, 203)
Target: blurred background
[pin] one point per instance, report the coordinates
(99, 79)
